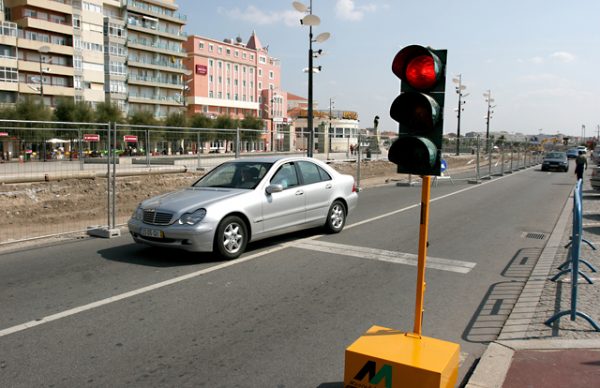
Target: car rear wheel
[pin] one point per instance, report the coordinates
(231, 237)
(336, 217)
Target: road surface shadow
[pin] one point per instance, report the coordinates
(140, 254)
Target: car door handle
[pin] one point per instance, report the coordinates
(328, 186)
(299, 192)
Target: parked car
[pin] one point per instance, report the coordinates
(596, 155)
(595, 178)
(582, 148)
(244, 201)
(555, 160)
(572, 153)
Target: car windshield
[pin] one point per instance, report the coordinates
(235, 175)
(555, 155)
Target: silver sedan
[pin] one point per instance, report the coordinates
(246, 200)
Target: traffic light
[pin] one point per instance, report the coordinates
(419, 109)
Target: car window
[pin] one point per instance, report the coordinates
(286, 176)
(311, 173)
(235, 175)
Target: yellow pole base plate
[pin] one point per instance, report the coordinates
(388, 358)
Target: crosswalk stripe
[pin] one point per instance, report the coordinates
(384, 255)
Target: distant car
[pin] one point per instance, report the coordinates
(595, 178)
(582, 148)
(246, 200)
(555, 161)
(572, 153)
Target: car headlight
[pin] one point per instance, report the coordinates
(192, 218)
(138, 214)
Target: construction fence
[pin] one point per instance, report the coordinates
(59, 178)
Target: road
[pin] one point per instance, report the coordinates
(110, 313)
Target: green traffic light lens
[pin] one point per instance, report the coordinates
(414, 154)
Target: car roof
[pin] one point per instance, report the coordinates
(273, 159)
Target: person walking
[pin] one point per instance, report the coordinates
(580, 164)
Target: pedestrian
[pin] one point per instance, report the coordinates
(580, 164)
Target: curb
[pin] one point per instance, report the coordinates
(495, 362)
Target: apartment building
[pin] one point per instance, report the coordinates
(154, 68)
(124, 51)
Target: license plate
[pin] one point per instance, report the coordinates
(152, 233)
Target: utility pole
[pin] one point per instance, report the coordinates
(459, 90)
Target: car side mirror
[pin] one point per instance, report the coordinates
(274, 189)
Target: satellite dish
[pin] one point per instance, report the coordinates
(310, 20)
(322, 37)
(300, 6)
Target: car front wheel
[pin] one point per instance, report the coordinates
(336, 217)
(231, 237)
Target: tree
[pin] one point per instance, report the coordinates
(177, 120)
(254, 125)
(69, 111)
(226, 122)
(30, 109)
(199, 120)
(108, 113)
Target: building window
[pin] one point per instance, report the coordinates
(260, 72)
(228, 51)
(76, 22)
(236, 53)
(271, 75)
(220, 50)
(211, 48)
(201, 45)
(262, 59)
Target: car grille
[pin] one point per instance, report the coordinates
(153, 217)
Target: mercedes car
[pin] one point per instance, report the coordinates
(246, 200)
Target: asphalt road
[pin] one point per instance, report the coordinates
(110, 313)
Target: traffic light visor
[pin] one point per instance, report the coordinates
(418, 67)
(418, 111)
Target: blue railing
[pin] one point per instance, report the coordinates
(576, 239)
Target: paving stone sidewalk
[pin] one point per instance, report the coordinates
(527, 349)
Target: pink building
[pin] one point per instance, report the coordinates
(232, 78)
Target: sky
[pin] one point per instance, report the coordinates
(539, 59)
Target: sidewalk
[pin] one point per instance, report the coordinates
(529, 353)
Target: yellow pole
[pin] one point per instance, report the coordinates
(425, 193)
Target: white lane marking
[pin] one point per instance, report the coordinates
(384, 255)
(116, 298)
(103, 302)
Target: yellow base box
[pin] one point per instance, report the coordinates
(388, 358)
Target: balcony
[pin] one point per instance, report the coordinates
(57, 6)
(41, 24)
(165, 48)
(162, 82)
(155, 29)
(157, 11)
(157, 65)
(154, 99)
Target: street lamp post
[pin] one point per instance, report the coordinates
(42, 50)
(328, 137)
(459, 90)
(489, 100)
(310, 20)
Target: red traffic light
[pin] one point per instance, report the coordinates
(417, 66)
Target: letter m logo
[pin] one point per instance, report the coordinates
(370, 370)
